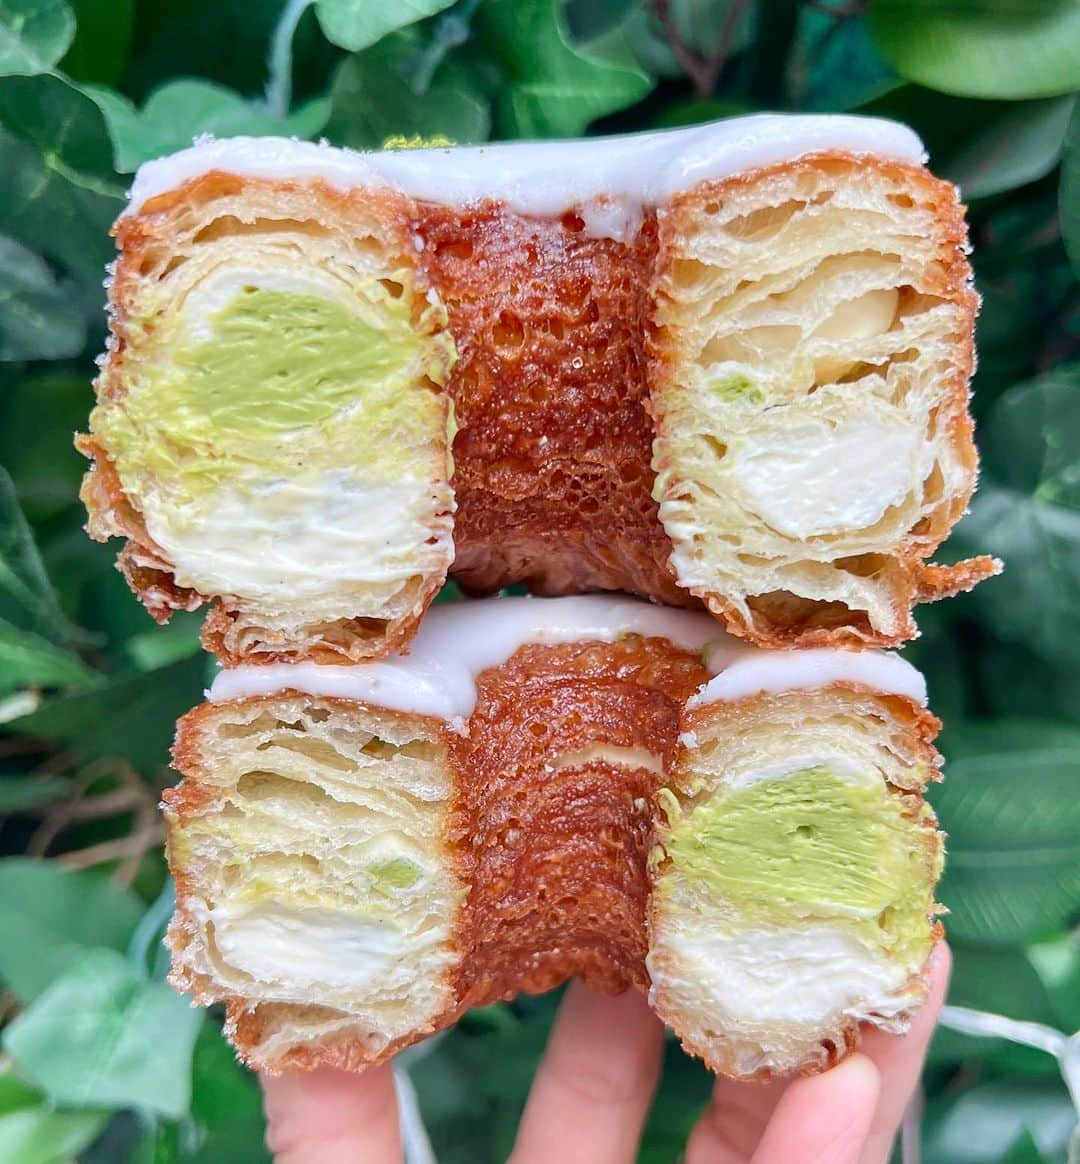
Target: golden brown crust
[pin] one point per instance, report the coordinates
(554, 815)
(552, 456)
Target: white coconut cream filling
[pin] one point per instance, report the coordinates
(457, 641)
(609, 180)
(278, 945)
(812, 477)
(810, 976)
(326, 540)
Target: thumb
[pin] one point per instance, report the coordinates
(824, 1119)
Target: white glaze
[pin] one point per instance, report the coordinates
(754, 671)
(457, 641)
(608, 180)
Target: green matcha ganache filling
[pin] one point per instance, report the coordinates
(811, 846)
(286, 381)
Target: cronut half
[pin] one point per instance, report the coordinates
(350, 879)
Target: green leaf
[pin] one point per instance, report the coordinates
(131, 717)
(981, 1125)
(102, 44)
(104, 1036)
(60, 219)
(1027, 512)
(982, 48)
(64, 126)
(835, 64)
(49, 915)
(1009, 807)
(181, 110)
(35, 323)
(26, 595)
(31, 1133)
(34, 35)
(1057, 963)
(19, 793)
(1069, 201)
(552, 88)
(27, 659)
(999, 980)
(358, 24)
(41, 458)
(162, 645)
(451, 104)
(1022, 146)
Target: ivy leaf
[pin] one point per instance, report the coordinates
(450, 104)
(982, 48)
(982, 1124)
(34, 35)
(358, 24)
(552, 89)
(1021, 146)
(104, 30)
(49, 915)
(27, 594)
(35, 320)
(1027, 512)
(64, 125)
(104, 1036)
(1009, 807)
(130, 716)
(1069, 201)
(181, 110)
(32, 1133)
(49, 214)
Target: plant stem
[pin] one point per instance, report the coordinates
(279, 65)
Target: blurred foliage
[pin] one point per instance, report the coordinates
(101, 1061)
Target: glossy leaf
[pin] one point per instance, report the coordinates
(1013, 821)
(35, 323)
(552, 89)
(34, 35)
(131, 716)
(1069, 202)
(49, 915)
(102, 1035)
(450, 104)
(358, 24)
(178, 112)
(1021, 146)
(982, 48)
(104, 30)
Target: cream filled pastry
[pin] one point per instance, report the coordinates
(549, 787)
(724, 365)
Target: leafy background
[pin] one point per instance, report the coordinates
(101, 1061)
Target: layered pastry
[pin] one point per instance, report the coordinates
(724, 366)
(551, 787)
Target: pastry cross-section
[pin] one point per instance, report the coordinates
(546, 788)
(723, 367)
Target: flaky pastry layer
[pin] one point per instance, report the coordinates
(350, 879)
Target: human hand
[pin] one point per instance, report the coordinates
(594, 1086)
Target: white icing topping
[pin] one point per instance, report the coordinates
(457, 641)
(754, 671)
(607, 180)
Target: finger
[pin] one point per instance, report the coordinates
(332, 1117)
(899, 1060)
(824, 1119)
(732, 1125)
(592, 1092)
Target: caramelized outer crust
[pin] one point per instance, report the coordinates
(552, 458)
(950, 279)
(549, 828)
